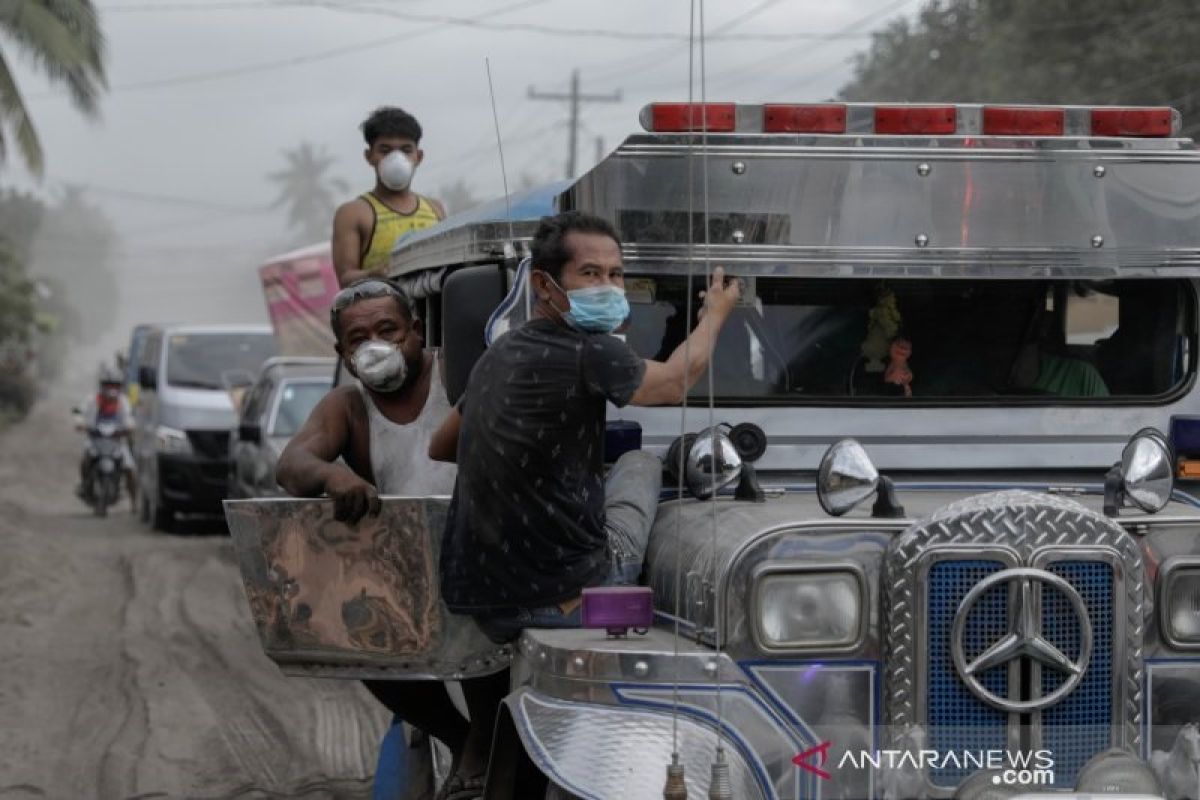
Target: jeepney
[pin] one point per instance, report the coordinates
(979, 579)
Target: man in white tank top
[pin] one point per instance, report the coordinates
(371, 438)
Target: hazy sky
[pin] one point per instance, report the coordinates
(205, 94)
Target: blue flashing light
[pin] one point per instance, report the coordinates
(1185, 435)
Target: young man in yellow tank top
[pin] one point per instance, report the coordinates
(366, 228)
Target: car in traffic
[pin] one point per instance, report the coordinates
(186, 411)
(133, 357)
(274, 408)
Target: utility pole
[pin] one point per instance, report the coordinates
(574, 97)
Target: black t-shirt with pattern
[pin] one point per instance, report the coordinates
(526, 524)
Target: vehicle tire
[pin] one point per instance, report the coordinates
(162, 516)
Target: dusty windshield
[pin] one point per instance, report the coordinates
(296, 400)
(200, 360)
(799, 339)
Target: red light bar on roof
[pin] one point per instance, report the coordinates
(779, 118)
(933, 120)
(684, 117)
(1021, 121)
(1132, 121)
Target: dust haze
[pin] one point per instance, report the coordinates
(205, 98)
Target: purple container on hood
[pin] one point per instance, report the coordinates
(618, 608)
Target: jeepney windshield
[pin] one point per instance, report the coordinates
(845, 340)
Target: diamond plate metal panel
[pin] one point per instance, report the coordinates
(1023, 523)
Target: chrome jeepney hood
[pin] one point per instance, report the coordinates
(699, 577)
(689, 567)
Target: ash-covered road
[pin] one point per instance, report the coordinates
(129, 666)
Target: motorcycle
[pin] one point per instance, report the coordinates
(102, 486)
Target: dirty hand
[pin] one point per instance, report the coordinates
(353, 498)
(721, 297)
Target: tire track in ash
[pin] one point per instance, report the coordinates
(321, 725)
(253, 736)
(126, 747)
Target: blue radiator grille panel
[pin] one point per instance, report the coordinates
(958, 720)
(1081, 725)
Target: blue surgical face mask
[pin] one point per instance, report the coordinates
(596, 309)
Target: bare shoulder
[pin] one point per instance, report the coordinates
(357, 211)
(345, 399)
(438, 207)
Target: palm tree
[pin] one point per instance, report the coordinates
(63, 40)
(308, 192)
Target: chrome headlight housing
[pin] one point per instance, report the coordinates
(171, 441)
(1148, 470)
(806, 607)
(1179, 602)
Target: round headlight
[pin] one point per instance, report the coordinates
(1117, 772)
(1148, 470)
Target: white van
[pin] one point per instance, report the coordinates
(185, 413)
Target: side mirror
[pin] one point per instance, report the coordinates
(846, 477)
(250, 432)
(1145, 477)
(147, 378)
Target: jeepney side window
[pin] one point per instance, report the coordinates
(1091, 317)
(991, 342)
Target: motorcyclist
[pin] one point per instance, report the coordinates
(109, 404)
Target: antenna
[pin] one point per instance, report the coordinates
(510, 248)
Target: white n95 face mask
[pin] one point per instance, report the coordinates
(380, 366)
(396, 171)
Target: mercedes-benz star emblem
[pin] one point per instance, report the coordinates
(1024, 637)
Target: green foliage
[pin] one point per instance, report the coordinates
(20, 215)
(1125, 52)
(17, 312)
(308, 192)
(73, 254)
(18, 327)
(62, 39)
(57, 279)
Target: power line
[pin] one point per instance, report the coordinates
(867, 19)
(266, 66)
(477, 22)
(655, 57)
(574, 97)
